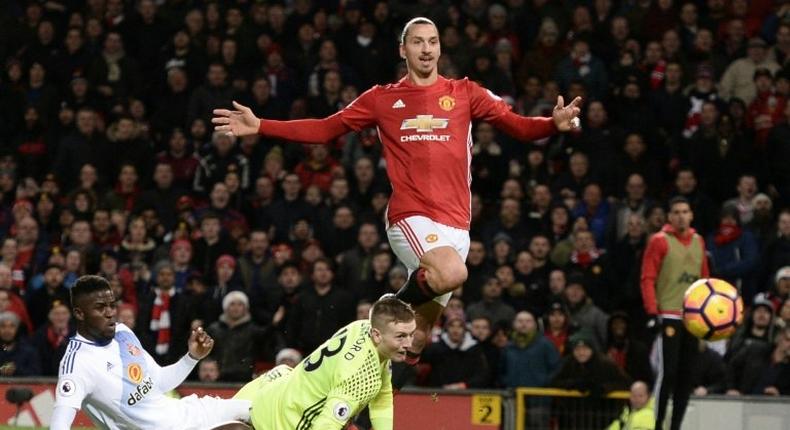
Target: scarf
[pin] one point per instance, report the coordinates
(160, 319)
(522, 340)
(618, 356)
(726, 234)
(584, 259)
(54, 338)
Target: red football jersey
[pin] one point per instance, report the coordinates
(426, 132)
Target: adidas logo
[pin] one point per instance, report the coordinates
(399, 104)
(109, 366)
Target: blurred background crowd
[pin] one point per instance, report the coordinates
(109, 165)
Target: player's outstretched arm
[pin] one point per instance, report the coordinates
(242, 122)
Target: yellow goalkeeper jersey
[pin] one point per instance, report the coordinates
(327, 389)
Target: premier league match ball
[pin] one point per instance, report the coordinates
(712, 309)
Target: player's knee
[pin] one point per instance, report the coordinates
(451, 276)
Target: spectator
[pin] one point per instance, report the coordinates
(775, 253)
(137, 248)
(214, 93)
(17, 358)
(529, 359)
(594, 266)
(558, 327)
(240, 342)
(733, 252)
(289, 357)
(40, 301)
(10, 302)
(709, 376)
(582, 65)
(320, 310)
(639, 413)
(584, 369)
(256, 267)
(163, 316)
(378, 282)
(737, 80)
(354, 269)
(491, 305)
(626, 351)
(456, 361)
(51, 339)
(84, 146)
(627, 258)
(757, 329)
(208, 370)
(163, 196)
(180, 158)
(584, 313)
(221, 159)
(211, 244)
(762, 368)
(479, 268)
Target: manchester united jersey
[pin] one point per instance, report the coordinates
(426, 132)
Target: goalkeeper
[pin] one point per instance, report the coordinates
(341, 377)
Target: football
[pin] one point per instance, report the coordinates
(712, 309)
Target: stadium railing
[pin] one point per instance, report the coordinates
(553, 409)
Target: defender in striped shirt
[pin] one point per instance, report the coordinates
(107, 373)
(333, 384)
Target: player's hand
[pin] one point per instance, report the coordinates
(733, 392)
(239, 122)
(200, 344)
(565, 117)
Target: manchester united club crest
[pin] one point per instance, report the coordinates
(446, 103)
(133, 350)
(431, 238)
(670, 331)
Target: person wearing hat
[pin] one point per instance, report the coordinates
(761, 368)
(39, 302)
(585, 369)
(240, 342)
(738, 78)
(627, 351)
(781, 290)
(758, 327)
(457, 360)
(528, 360)
(289, 357)
(583, 312)
(558, 325)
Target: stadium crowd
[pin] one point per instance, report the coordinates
(109, 165)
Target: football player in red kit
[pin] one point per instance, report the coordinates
(424, 122)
